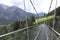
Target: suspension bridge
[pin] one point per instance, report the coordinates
(37, 32)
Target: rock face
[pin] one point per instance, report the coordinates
(9, 14)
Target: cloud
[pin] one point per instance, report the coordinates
(40, 5)
(17, 2)
(6, 2)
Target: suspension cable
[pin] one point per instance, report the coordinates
(54, 14)
(50, 6)
(26, 20)
(33, 6)
(34, 9)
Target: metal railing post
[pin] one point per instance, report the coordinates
(26, 20)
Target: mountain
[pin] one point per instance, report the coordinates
(9, 14)
(13, 13)
(40, 14)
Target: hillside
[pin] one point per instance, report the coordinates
(57, 19)
(57, 12)
(10, 14)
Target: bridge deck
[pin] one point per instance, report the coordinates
(40, 32)
(44, 33)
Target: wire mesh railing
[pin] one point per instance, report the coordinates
(54, 35)
(21, 34)
(14, 35)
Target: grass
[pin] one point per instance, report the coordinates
(43, 19)
(58, 17)
(57, 28)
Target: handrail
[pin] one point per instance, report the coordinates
(14, 32)
(54, 31)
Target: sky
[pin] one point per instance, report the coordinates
(40, 5)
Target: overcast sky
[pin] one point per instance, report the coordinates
(40, 5)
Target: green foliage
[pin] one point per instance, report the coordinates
(58, 11)
(57, 19)
(16, 25)
(31, 20)
(23, 24)
(3, 29)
